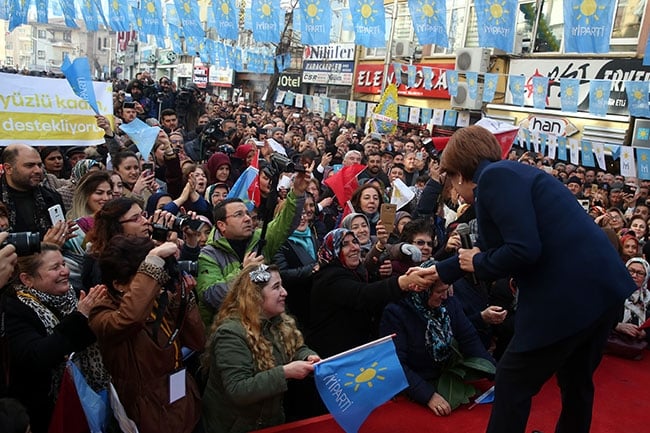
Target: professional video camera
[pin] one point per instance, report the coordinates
(160, 231)
(282, 164)
(26, 243)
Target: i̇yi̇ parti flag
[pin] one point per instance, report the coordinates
(561, 148)
(429, 21)
(412, 75)
(361, 109)
(427, 77)
(646, 55)
(588, 25)
(496, 23)
(599, 96)
(41, 10)
(599, 152)
(403, 113)
(540, 92)
(225, 15)
(643, 163)
(315, 22)
(188, 15)
(354, 383)
(150, 18)
(78, 75)
(89, 15)
(637, 97)
(143, 135)
(118, 15)
(628, 166)
(397, 73)
(569, 92)
(517, 85)
(587, 154)
(452, 81)
(472, 83)
(266, 20)
(69, 14)
(574, 150)
(369, 19)
(490, 86)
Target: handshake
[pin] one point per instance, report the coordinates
(418, 279)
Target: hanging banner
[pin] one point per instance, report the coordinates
(45, 111)
(369, 77)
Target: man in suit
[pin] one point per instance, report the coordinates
(571, 282)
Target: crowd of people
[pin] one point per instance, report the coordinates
(208, 315)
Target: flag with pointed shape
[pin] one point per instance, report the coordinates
(369, 19)
(427, 77)
(543, 142)
(452, 82)
(425, 115)
(429, 21)
(599, 96)
(472, 84)
(403, 113)
(397, 72)
(151, 16)
(574, 150)
(517, 85)
(540, 92)
(69, 15)
(451, 116)
(246, 181)
(188, 15)
(225, 16)
(552, 146)
(118, 15)
(412, 75)
(89, 15)
(599, 153)
(171, 15)
(637, 96)
(143, 135)
(588, 25)
(175, 37)
(534, 139)
(490, 86)
(616, 151)
(344, 182)
(41, 10)
(361, 109)
(643, 163)
(351, 112)
(628, 165)
(17, 11)
(384, 118)
(266, 20)
(353, 383)
(496, 20)
(486, 397)
(587, 154)
(569, 91)
(401, 194)
(78, 75)
(561, 148)
(315, 21)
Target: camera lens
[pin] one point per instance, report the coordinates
(26, 243)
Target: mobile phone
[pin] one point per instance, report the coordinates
(296, 115)
(56, 214)
(147, 166)
(629, 189)
(243, 118)
(128, 104)
(584, 203)
(259, 143)
(594, 188)
(387, 216)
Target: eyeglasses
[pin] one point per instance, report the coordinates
(135, 218)
(177, 141)
(239, 214)
(421, 243)
(638, 273)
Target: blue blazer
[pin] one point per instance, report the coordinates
(533, 229)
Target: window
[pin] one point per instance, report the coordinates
(41, 54)
(67, 36)
(9, 61)
(42, 34)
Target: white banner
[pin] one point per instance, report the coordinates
(45, 111)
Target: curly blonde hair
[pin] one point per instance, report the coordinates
(244, 303)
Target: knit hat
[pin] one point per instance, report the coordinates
(276, 129)
(574, 179)
(217, 160)
(243, 150)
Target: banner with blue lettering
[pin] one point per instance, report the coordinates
(490, 86)
(429, 21)
(569, 90)
(225, 17)
(188, 15)
(354, 383)
(452, 81)
(266, 20)
(637, 96)
(540, 92)
(588, 25)
(496, 23)
(517, 85)
(369, 19)
(472, 84)
(599, 96)
(643, 163)
(587, 154)
(315, 22)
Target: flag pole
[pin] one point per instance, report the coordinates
(357, 349)
(389, 48)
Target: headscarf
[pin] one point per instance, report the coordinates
(81, 168)
(217, 160)
(330, 251)
(347, 224)
(152, 201)
(636, 305)
(438, 335)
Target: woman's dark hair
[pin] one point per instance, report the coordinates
(107, 222)
(30, 264)
(119, 158)
(121, 258)
(356, 197)
(45, 151)
(415, 227)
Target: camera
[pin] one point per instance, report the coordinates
(189, 266)
(180, 222)
(282, 164)
(26, 243)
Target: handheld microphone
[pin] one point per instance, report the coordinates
(466, 242)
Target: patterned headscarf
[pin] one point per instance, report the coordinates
(636, 306)
(81, 168)
(330, 250)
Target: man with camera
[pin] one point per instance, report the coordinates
(234, 242)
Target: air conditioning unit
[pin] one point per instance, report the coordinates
(473, 60)
(462, 99)
(403, 48)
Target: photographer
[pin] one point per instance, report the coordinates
(8, 260)
(142, 327)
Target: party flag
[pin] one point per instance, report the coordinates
(171, 15)
(289, 98)
(384, 117)
(425, 115)
(69, 15)
(89, 15)
(326, 104)
(496, 23)
(316, 22)
(266, 20)
(397, 72)
(414, 115)
(552, 146)
(490, 86)
(343, 107)
(427, 77)
(309, 102)
(642, 134)
(118, 15)
(517, 85)
(486, 397)
(429, 21)
(574, 150)
(599, 153)
(192, 44)
(351, 112)
(353, 383)
(41, 10)
(225, 16)
(403, 115)
(643, 163)
(616, 151)
(151, 18)
(588, 25)
(628, 166)
(472, 84)
(188, 15)
(561, 148)
(204, 52)
(17, 11)
(451, 116)
(637, 97)
(534, 139)
(543, 141)
(587, 154)
(245, 184)
(569, 91)
(143, 135)
(412, 75)
(361, 109)
(452, 82)
(78, 75)
(369, 19)
(401, 194)
(540, 92)
(599, 96)
(175, 37)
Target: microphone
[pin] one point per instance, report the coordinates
(466, 242)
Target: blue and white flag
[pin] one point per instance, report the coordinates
(490, 86)
(543, 142)
(352, 384)
(369, 19)
(89, 15)
(427, 77)
(637, 97)
(143, 135)
(151, 18)
(309, 102)
(643, 163)
(599, 96)
(361, 109)
(628, 165)
(517, 85)
(587, 154)
(425, 115)
(17, 11)
(569, 91)
(315, 22)
(175, 37)
(69, 15)
(540, 92)
(203, 51)
(496, 22)
(326, 104)
(588, 25)
(188, 15)
(239, 60)
(78, 75)
(429, 21)
(226, 18)
(118, 15)
(266, 20)
(192, 44)
(41, 10)
(403, 113)
(643, 134)
(397, 72)
(171, 15)
(289, 98)
(412, 74)
(452, 81)
(616, 151)
(242, 185)
(561, 148)
(472, 84)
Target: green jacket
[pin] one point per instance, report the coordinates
(239, 397)
(218, 263)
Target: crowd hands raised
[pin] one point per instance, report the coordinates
(154, 270)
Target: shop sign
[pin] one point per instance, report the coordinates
(220, 77)
(328, 64)
(291, 82)
(329, 53)
(200, 77)
(553, 125)
(369, 78)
